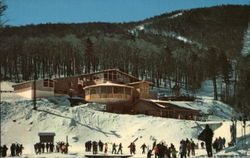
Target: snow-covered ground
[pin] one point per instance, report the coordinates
(19, 123)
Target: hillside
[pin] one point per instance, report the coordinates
(184, 47)
(19, 123)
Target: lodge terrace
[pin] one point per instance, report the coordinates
(121, 92)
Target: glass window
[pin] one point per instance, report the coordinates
(92, 91)
(118, 89)
(106, 90)
(128, 91)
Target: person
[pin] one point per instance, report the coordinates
(183, 149)
(143, 147)
(67, 148)
(105, 148)
(13, 149)
(215, 145)
(17, 150)
(51, 147)
(100, 143)
(4, 151)
(119, 148)
(173, 152)
(188, 143)
(192, 147)
(156, 150)
(202, 145)
(149, 154)
(207, 136)
(224, 142)
(21, 149)
(47, 147)
(43, 147)
(63, 148)
(114, 149)
(132, 148)
(95, 146)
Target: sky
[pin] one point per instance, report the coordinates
(24, 12)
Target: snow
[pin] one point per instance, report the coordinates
(19, 123)
(246, 42)
(176, 15)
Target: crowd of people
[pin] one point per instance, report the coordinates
(219, 144)
(15, 150)
(61, 147)
(159, 150)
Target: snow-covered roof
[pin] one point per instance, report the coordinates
(180, 104)
(132, 83)
(108, 84)
(46, 134)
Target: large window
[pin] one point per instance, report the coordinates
(48, 83)
(128, 91)
(118, 89)
(106, 90)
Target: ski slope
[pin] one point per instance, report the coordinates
(19, 123)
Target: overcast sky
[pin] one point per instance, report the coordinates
(23, 12)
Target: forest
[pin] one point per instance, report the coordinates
(153, 53)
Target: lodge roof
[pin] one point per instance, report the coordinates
(108, 84)
(138, 82)
(162, 103)
(93, 73)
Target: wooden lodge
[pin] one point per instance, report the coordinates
(121, 92)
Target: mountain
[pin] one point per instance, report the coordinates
(186, 47)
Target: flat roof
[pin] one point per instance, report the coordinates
(46, 134)
(108, 84)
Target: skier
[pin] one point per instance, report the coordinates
(119, 148)
(207, 136)
(114, 148)
(4, 151)
(105, 148)
(143, 147)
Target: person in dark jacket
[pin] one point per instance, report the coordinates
(13, 149)
(207, 136)
(143, 148)
(114, 149)
(4, 151)
(120, 148)
(149, 154)
(100, 143)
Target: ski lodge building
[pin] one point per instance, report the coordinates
(121, 92)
